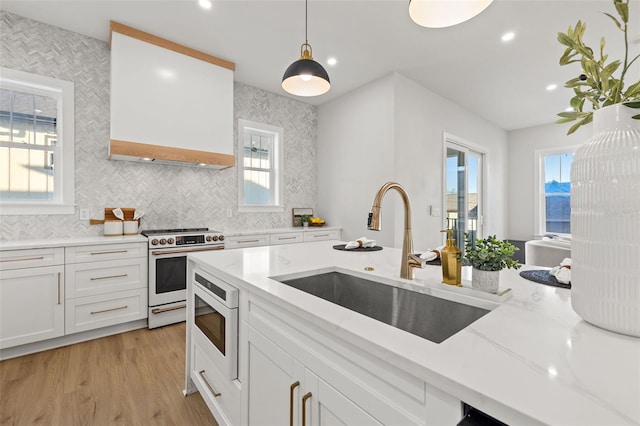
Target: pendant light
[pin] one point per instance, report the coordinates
(445, 13)
(306, 77)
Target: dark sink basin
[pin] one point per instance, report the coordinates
(429, 317)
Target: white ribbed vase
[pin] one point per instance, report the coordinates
(605, 223)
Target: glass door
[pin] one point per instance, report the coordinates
(463, 191)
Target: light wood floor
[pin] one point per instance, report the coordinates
(133, 378)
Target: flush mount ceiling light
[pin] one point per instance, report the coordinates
(306, 77)
(445, 13)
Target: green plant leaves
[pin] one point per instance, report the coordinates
(600, 87)
(490, 254)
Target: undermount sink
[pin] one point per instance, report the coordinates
(427, 316)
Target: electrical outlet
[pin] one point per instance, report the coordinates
(435, 211)
(84, 214)
(229, 213)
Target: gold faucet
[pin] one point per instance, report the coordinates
(409, 260)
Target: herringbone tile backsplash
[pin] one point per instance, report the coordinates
(171, 196)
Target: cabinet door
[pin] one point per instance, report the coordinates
(31, 305)
(328, 407)
(272, 390)
(286, 238)
(321, 235)
(93, 278)
(246, 241)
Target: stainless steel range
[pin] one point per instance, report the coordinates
(168, 249)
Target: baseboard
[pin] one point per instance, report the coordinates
(70, 339)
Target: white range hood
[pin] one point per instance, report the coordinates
(170, 104)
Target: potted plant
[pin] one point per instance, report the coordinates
(597, 84)
(488, 257)
(305, 218)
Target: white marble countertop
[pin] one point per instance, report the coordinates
(243, 233)
(531, 360)
(69, 241)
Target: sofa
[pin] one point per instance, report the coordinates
(549, 251)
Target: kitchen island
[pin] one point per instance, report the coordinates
(531, 360)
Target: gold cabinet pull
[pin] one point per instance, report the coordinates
(291, 389)
(110, 276)
(304, 408)
(286, 238)
(59, 279)
(109, 310)
(248, 241)
(206, 382)
(320, 235)
(22, 259)
(108, 252)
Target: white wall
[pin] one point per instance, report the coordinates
(392, 129)
(355, 157)
(520, 193)
(421, 119)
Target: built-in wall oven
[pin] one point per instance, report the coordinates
(168, 249)
(215, 316)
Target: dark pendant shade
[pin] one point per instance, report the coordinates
(306, 77)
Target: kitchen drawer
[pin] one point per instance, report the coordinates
(87, 313)
(93, 278)
(211, 382)
(321, 235)
(100, 252)
(246, 241)
(31, 258)
(286, 238)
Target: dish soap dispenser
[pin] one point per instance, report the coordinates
(451, 258)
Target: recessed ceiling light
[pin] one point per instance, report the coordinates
(205, 4)
(37, 111)
(552, 87)
(508, 36)
(146, 159)
(332, 61)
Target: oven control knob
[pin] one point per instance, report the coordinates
(163, 241)
(170, 240)
(154, 242)
(208, 238)
(215, 238)
(221, 237)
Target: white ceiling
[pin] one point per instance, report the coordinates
(468, 63)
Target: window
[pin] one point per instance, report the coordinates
(36, 144)
(259, 167)
(463, 189)
(553, 182)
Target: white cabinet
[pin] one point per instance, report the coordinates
(221, 395)
(293, 368)
(282, 391)
(273, 387)
(105, 285)
(31, 295)
(243, 241)
(321, 235)
(286, 238)
(277, 238)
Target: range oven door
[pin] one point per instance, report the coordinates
(217, 324)
(168, 274)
